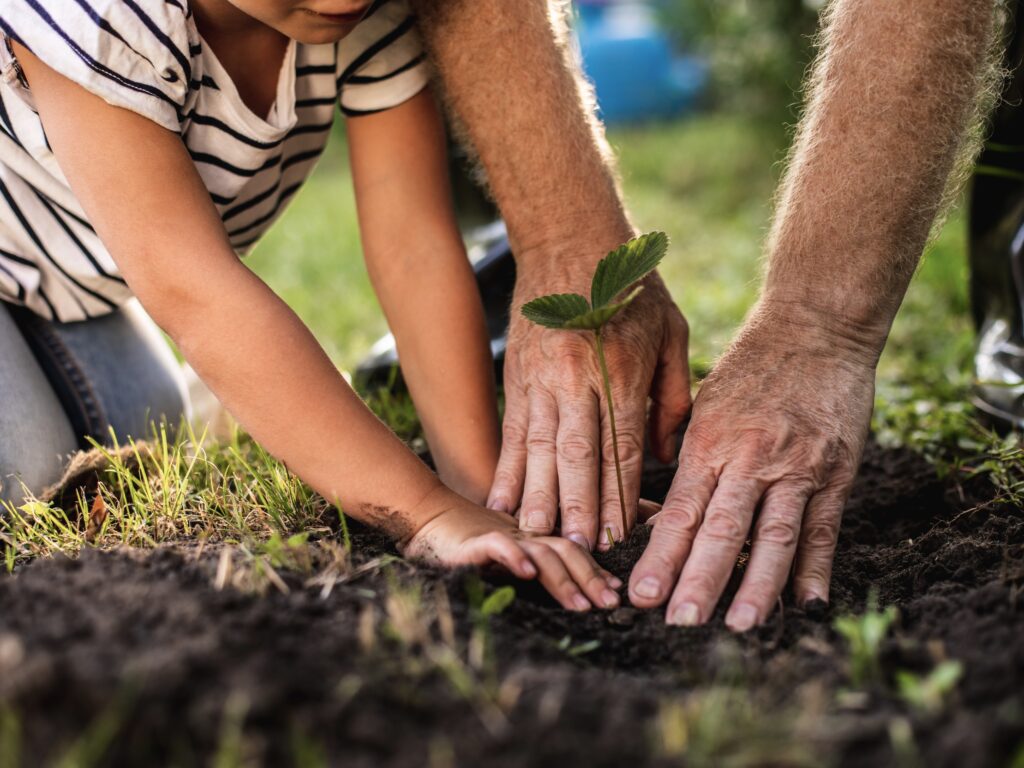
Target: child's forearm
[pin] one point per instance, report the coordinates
(268, 370)
(418, 265)
(446, 361)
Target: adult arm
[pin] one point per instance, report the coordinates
(510, 78)
(418, 265)
(780, 425)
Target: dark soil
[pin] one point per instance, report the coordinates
(135, 658)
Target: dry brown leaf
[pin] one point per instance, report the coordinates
(97, 516)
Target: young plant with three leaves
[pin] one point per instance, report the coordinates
(615, 273)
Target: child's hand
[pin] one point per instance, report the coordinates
(466, 534)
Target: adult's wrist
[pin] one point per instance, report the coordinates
(820, 328)
(564, 254)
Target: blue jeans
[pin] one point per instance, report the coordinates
(61, 383)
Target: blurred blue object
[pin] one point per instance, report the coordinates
(629, 59)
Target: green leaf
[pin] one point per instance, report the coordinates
(594, 319)
(498, 601)
(556, 310)
(625, 265)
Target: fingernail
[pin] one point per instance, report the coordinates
(614, 582)
(536, 520)
(686, 615)
(648, 587)
(609, 599)
(580, 539)
(529, 570)
(498, 505)
(581, 603)
(608, 538)
(742, 617)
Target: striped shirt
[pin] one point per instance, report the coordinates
(147, 56)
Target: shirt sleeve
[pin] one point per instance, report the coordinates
(134, 54)
(381, 62)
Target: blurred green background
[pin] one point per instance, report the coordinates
(707, 179)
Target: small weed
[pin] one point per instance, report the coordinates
(928, 693)
(578, 649)
(864, 635)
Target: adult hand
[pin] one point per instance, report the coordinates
(771, 452)
(557, 446)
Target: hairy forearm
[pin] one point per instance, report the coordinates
(509, 76)
(891, 103)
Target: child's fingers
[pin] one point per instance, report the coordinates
(501, 548)
(555, 577)
(588, 575)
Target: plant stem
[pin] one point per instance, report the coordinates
(611, 421)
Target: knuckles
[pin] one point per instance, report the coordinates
(631, 448)
(724, 525)
(576, 448)
(678, 524)
(783, 531)
(821, 534)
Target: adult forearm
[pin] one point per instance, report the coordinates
(509, 76)
(892, 101)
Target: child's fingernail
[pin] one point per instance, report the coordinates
(529, 570)
(580, 603)
(609, 598)
(580, 539)
(614, 582)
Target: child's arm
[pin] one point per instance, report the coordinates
(418, 265)
(142, 193)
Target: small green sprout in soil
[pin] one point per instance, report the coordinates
(928, 693)
(616, 272)
(864, 635)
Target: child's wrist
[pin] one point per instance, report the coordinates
(439, 500)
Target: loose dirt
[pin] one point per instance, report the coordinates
(136, 658)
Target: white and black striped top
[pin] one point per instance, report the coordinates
(147, 56)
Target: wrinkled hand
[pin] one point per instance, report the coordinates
(770, 454)
(557, 447)
(468, 535)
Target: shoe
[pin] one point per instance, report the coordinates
(996, 255)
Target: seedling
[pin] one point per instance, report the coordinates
(928, 693)
(615, 273)
(864, 635)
